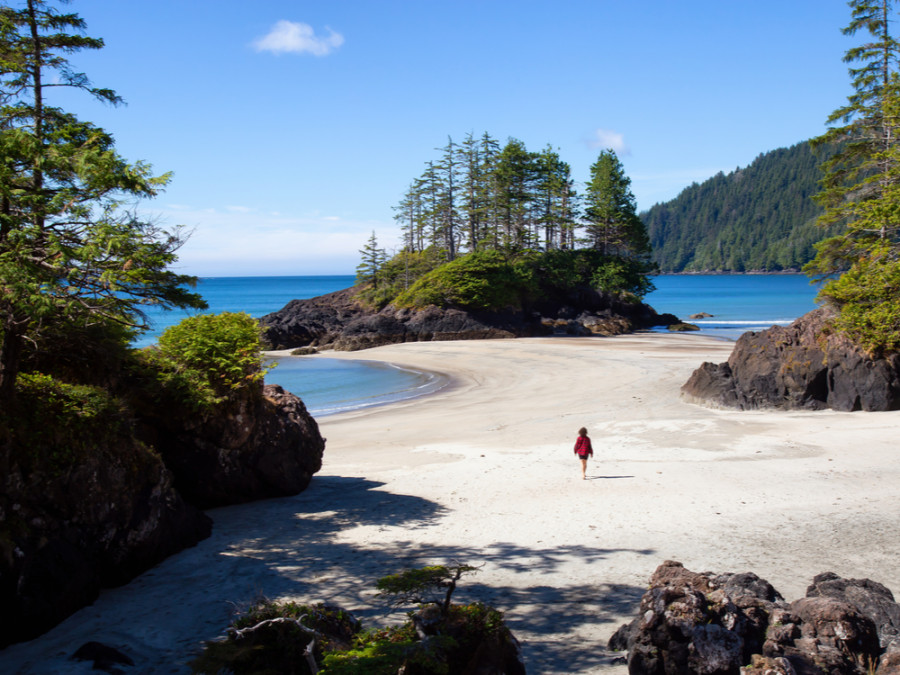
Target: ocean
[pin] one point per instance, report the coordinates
(737, 303)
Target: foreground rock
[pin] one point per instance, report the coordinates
(255, 447)
(73, 520)
(801, 366)
(81, 513)
(338, 321)
(728, 624)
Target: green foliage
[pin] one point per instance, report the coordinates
(65, 418)
(861, 189)
(397, 274)
(613, 226)
(71, 251)
(623, 275)
(559, 271)
(379, 652)
(868, 296)
(758, 218)
(343, 648)
(482, 280)
(208, 357)
(279, 647)
(434, 583)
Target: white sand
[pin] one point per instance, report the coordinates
(484, 473)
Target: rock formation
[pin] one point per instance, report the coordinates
(79, 514)
(71, 524)
(801, 366)
(256, 447)
(340, 322)
(728, 624)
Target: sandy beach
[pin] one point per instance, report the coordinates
(483, 473)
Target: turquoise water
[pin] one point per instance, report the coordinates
(738, 303)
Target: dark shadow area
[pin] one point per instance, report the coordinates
(606, 477)
(313, 547)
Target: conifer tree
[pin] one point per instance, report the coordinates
(612, 223)
(861, 189)
(70, 253)
(864, 167)
(373, 258)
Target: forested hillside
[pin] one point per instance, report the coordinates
(759, 218)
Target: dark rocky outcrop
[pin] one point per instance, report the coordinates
(340, 322)
(80, 514)
(802, 366)
(737, 623)
(255, 447)
(74, 520)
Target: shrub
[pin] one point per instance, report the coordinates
(208, 357)
(64, 419)
(483, 280)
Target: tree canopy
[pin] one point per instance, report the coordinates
(861, 188)
(481, 199)
(73, 250)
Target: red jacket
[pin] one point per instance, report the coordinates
(583, 446)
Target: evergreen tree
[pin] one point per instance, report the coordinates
(613, 226)
(864, 166)
(373, 258)
(69, 252)
(515, 174)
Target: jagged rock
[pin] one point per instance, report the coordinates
(801, 366)
(737, 623)
(700, 315)
(74, 519)
(682, 327)
(340, 322)
(254, 447)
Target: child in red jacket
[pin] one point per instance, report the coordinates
(583, 449)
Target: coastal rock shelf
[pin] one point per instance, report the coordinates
(709, 623)
(338, 321)
(801, 366)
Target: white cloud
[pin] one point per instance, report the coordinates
(295, 37)
(604, 139)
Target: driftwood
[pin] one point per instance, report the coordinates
(308, 653)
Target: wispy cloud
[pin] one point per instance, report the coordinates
(232, 241)
(298, 38)
(605, 139)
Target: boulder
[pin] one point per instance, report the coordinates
(802, 366)
(77, 517)
(256, 446)
(737, 623)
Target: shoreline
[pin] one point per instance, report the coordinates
(483, 473)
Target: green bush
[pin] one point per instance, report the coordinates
(65, 419)
(868, 296)
(208, 357)
(483, 280)
(398, 274)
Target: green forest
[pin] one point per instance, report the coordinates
(486, 215)
(759, 218)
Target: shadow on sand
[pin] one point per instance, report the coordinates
(308, 547)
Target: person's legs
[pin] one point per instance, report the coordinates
(583, 468)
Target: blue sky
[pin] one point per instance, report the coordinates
(292, 127)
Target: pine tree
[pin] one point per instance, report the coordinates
(613, 226)
(862, 190)
(373, 258)
(69, 253)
